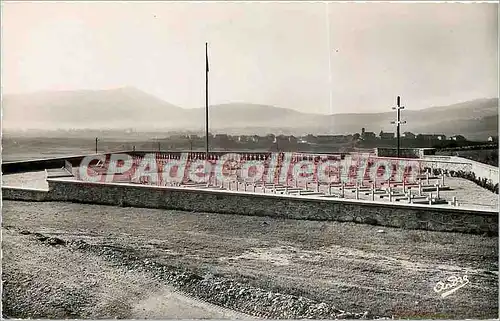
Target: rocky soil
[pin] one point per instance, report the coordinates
(63, 260)
(52, 301)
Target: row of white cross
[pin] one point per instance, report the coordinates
(263, 157)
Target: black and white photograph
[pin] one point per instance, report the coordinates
(249, 160)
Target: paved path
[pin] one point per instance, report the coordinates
(170, 304)
(35, 180)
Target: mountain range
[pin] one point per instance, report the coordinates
(127, 107)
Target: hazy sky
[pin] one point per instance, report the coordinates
(282, 54)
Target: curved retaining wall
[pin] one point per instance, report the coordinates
(484, 175)
(280, 206)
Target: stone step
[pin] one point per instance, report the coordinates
(416, 197)
(422, 177)
(303, 192)
(294, 192)
(393, 195)
(285, 187)
(378, 192)
(57, 172)
(290, 190)
(353, 189)
(195, 185)
(434, 201)
(434, 189)
(273, 185)
(400, 185)
(331, 196)
(311, 193)
(405, 197)
(362, 190)
(413, 197)
(206, 187)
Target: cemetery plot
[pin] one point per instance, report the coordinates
(282, 179)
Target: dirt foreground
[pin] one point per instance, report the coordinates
(63, 260)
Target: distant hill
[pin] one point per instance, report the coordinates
(241, 115)
(475, 119)
(131, 108)
(116, 108)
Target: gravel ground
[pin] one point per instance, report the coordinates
(467, 193)
(74, 279)
(470, 195)
(46, 277)
(273, 268)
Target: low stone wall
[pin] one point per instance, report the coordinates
(485, 171)
(484, 175)
(393, 152)
(281, 206)
(24, 194)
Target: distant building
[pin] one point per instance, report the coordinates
(282, 138)
(221, 138)
(441, 137)
(367, 135)
(386, 136)
(243, 139)
(458, 138)
(178, 136)
(331, 138)
(431, 137)
(341, 138)
(308, 139)
(493, 139)
(408, 135)
(270, 137)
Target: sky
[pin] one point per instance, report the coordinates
(312, 57)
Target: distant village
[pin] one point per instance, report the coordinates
(365, 139)
(195, 140)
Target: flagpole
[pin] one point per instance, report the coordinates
(206, 99)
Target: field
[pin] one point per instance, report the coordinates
(25, 148)
(485, 156)
(16, 148)
(63, 260)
